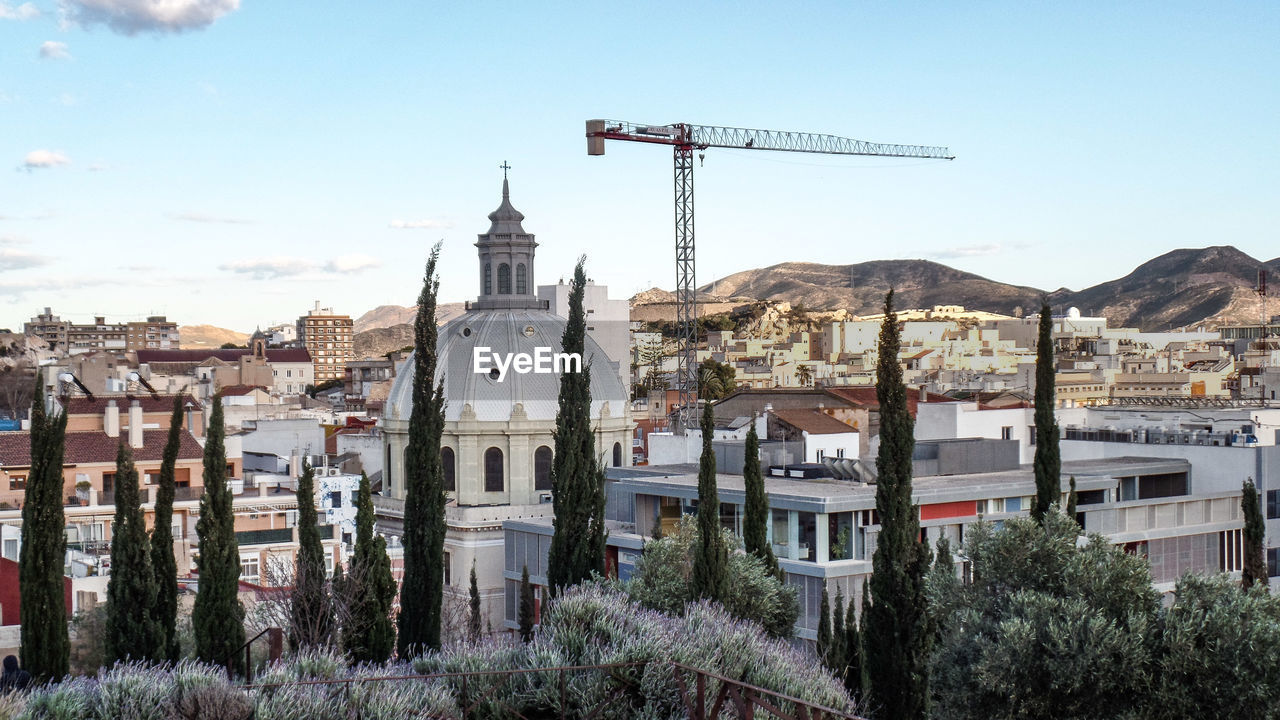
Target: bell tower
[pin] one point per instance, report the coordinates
(506, 259)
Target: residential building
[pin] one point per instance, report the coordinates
(328, 336)
(156, 333)
(824, 531)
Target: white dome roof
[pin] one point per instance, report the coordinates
(504, 332)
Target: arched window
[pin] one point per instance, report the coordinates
(504, 279)
(542, 468)
(617, 454)
(447, 460)
(522, 280)
(493, 479)
(488, 279)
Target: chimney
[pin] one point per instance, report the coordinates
(111, 420)
(135, 424)
(924, 394)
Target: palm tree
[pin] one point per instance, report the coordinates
(804, 375)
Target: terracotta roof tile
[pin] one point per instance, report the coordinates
(83, 448)
(80, 405)
(812, 421)
(282, 355)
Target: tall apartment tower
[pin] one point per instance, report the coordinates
(328, 337)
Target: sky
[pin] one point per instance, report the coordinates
(230, 162)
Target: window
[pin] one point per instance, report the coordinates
(522, 280)
(1230, 550)
(249, 568)
(1013, 504)
(504, 279)
(1031, 433)
(1273, 562)
(335, 499)
(1006, 432)
(1273, 504)
(542, 468)
(488, 279)
(448, 567)
(18, 482)
(617, 454)
(493, 479)
(450, 468)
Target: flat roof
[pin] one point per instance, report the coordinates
(831, 495)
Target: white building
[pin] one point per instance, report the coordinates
(608, 321)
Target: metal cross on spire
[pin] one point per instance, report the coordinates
(505, 167)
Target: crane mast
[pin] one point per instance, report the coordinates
(684, 140)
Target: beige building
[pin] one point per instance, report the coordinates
(156, 333)
(328, 337)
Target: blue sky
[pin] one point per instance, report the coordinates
(230, 161)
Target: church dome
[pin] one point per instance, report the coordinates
(481, 396)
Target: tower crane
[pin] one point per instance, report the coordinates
(684, 139)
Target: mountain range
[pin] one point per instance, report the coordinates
(1180, 289)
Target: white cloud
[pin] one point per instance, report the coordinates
(45, 159)
(25, 11)
(14, 259)
(268, 268)
(97, 167)
(420, 224)
(205, 218)
(54, 50)
(352, 264)
(129, 17)
(275, 268)
(966, 251)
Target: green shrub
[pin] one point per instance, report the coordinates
(662, 581)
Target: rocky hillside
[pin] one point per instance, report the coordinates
(377, 342)
(202, 337)
(385, 316)
(860, 288)
(1183, 288)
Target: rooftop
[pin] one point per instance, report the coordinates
(84, 448)
(830, 495)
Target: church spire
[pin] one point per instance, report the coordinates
(506, 257)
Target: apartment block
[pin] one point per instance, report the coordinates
(328, 337)
(156, 333)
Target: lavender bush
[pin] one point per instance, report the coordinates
(593, 624)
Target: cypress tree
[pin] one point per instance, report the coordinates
(43, 614)
(755, 513)
(422, 590)
(527, 609)
(1048, 461)
(1255, 562)
(824, 627)
(163, 563)
(310, 609)
(711, 557)
(132, 630)
(1071, 499)
(475, 605)
(837, 659)
(369, 634)
(218, 615)
(897, 632)
(853, 652)
(577, 483)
